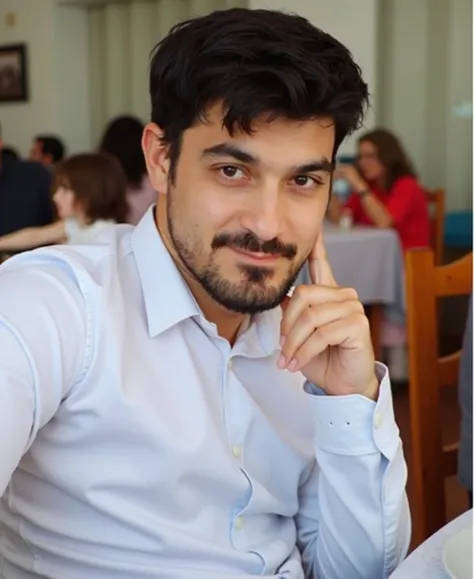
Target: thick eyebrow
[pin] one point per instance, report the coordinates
(322, 165)
(228, 150)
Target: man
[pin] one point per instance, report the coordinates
(47, 150)
(171, 412)
(25, 194)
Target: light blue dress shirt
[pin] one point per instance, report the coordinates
(136, 443)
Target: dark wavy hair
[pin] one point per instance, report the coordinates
(391, 154)
(98, 183)
(122, 139)
(254, 63)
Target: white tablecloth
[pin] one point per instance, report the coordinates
(426, 562)
(367, 259)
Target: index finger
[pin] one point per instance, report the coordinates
(319, 269)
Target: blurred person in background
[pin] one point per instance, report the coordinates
(89, 197)
(122, 139)
(11, 152)
(47, 150)
(25, 193)
(384, 190)
(386, 193)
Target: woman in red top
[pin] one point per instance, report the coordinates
(386, 192)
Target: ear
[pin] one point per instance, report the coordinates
(156, 157)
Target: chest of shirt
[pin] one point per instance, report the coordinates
(179, 415)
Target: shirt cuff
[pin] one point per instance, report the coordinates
(353, 424)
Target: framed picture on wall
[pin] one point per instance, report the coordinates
(13, 73)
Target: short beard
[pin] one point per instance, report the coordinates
(250, 295)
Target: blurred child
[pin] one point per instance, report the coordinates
(90, 195)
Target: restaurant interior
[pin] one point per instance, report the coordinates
(73, 80)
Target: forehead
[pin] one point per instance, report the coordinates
(282, 142)
(367, 147)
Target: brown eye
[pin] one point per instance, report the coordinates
(231, 172)
(305, 181)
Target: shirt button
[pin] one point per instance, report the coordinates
(239, 523)
(236, 451)
(378, 420)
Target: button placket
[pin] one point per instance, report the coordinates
(378, 420)
(239, 523)
(237, 451)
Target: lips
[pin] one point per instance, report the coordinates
(256, 257)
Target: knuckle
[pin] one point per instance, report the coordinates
(302, 292)
(351, 293)
(321, 334)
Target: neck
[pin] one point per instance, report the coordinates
(227, 323)
(380, 182)
(82, 219)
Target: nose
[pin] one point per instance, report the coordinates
(264, 214)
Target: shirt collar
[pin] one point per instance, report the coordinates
(168, 299)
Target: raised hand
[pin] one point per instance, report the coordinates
(325, 333)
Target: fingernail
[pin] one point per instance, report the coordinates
(292, 365)
(281, 362)
(282, 341)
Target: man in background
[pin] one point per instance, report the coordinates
(25, 193)
(47, 150)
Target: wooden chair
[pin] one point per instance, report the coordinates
(428, 374)
(437, 206)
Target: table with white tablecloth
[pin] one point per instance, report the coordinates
(370, 261)
(426, 562)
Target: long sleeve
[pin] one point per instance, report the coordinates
(354, 519)
(42, 349)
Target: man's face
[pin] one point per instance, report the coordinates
(244, 211)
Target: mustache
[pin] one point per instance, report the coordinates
(248, 241)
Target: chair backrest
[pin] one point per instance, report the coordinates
(428, 374)
(437, 206)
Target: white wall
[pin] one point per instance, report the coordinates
(121, 37)
(352, 22)
(73, 110)
(425, 76)
(35, 26)
(459, 93)
(56, 39)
